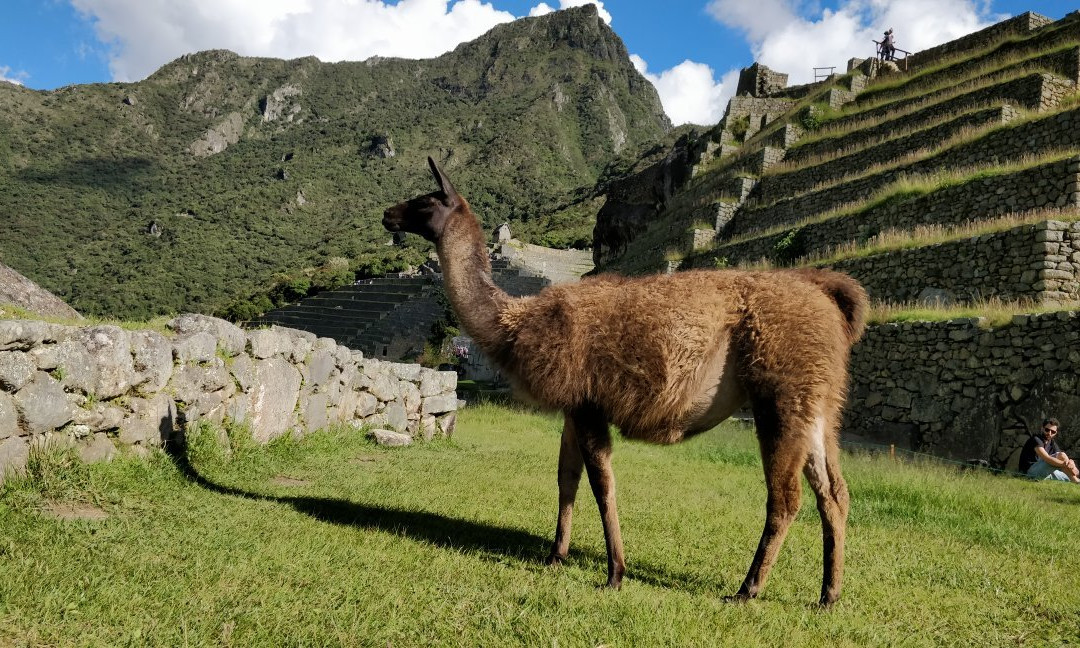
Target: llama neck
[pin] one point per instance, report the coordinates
(466, 268)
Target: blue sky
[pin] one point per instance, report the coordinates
(690, 49)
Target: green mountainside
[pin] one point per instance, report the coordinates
(195, 186)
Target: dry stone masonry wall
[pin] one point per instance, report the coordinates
(806, 178)
(1021, 25)
(1034, 262)
(99, 388)
(1052, 185)
(959, 390)
(1058, 132)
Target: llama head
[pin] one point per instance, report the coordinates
(425, 215)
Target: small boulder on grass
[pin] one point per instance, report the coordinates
(390, 438)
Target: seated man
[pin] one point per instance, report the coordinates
(1041, 457)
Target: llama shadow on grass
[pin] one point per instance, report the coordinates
(489, 541)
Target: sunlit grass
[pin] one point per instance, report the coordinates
(334, 541)
(13, 312)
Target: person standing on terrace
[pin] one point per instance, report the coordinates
(888, 46)
(1042, 458)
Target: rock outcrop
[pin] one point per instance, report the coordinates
(20, 291)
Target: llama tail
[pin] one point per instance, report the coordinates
(848, 294)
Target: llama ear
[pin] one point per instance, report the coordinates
(444, 182)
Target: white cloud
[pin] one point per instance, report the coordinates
(689, 92)
(541, 9)
(757, 19)
(11, 76)
(146, 34)
(787, 42)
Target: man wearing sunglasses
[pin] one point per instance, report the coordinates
(1042, 458)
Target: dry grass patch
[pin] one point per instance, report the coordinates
(990, 313)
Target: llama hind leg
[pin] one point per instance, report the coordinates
(594, 439)
(782, 462)
(823, 473)
(570, 467)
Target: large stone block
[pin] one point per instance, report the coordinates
(366, 404)
(100, 417)
(96, 447)
(410, 394)
(16, 369)
(395, 417)
(448, 423)
(320, 365)
(267, 343)
(150, 422)
(9, 416)
(390, 438)
(110, 351)
(313, 409)
(14, 452)
(228, 336)
(152, 360)
(23, 335)
(195, 347)
(189, 381)
(43, 406)
(242, 369)
(439, 404)
(273, 399)
(410, 372)
(434, 383)
(384, 387)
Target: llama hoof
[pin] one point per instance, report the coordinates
(739, 597)
(554, 560)
(613, 584)
(826, 602)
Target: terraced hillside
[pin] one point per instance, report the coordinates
(954, 182)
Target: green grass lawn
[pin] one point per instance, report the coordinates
(334, 541)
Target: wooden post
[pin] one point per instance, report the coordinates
(892, 451)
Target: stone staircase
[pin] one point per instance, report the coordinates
(393, 317)
(359, 316)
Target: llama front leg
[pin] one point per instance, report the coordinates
(570, 465)
(594, 439)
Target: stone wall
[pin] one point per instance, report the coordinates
(1032, 262)
(99, 388)
(1055, 184)
(1021, 25)
(976, 66)
(805, 178)
(1056, 132)
(759, 81)
(956, 389)
(1062, 64)
(1034, 91)
(886, 130)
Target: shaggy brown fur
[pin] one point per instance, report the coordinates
(665, 357)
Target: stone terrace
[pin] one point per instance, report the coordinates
(974, 150)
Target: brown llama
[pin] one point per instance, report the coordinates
(663, 358)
